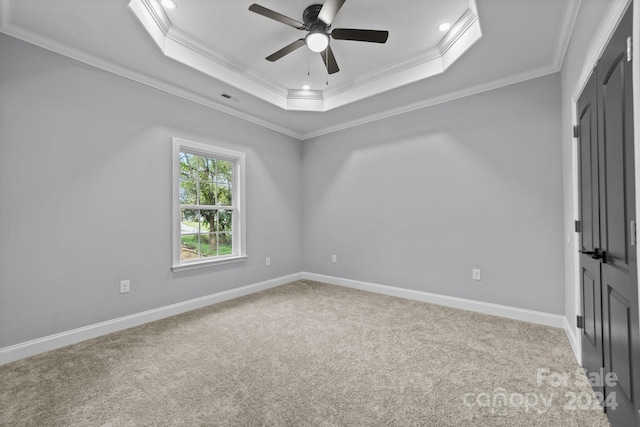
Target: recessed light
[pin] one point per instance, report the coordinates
(306, 87)
(169, 4)
(444, 26)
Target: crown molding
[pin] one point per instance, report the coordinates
(465, 26)
(178, 36)
(570, 16)
(430, 102)
(468, 19)
(295, 95)
(388, 71)
(177, 44)
(143, 78)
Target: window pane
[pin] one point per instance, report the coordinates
(189, 221)
(213, 170)
(224, 171)
(189, 234)
(208, 245)
(207, 193)
(197, 166)
(204, 245)
(225, 246)
(208, 220)
(224, 220)
(189, 246)
(224, 195)
(188, 192)
(188, 165)
(213, 246)
(206, 169)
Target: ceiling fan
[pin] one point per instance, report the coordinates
(317, 21)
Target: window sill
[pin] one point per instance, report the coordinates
(208, 263)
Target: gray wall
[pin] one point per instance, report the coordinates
(420, 199)
(85, 190)
(588, 23)
(415, 201)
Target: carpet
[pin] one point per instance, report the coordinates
(308, 354)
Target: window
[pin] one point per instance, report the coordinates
(208, 199)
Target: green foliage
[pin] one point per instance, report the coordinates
(203, 247)
(207, 183)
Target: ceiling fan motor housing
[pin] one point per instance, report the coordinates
(311, 21)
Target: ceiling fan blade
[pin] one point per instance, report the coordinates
(373, 36)
(285, 50)
(261, 10)
(330, 10)
(329, 60)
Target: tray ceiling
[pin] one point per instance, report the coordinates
(197, 34)
(203, 50)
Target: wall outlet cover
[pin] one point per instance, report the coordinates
(124, 286)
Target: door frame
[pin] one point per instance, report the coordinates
(596, 49)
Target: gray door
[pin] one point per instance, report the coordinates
(617, 252)
(590, 283)
(609, 290)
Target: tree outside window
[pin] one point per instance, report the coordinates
(207, 206)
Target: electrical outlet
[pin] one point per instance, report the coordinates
(334, 258)
(475, 273)
(268, 261)
(124, 286)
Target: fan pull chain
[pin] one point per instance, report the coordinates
(326, 55)
(308, 61)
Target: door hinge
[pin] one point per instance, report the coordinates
(576, 131)
(632, 232)
(577, 226)
(629, 48)
(580, 322)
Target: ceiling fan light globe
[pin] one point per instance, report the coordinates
(317, 41)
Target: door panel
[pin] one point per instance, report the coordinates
(591, 310)
(590, 290)
(590, 284)
(611, 109)
(621, 356)
(588, 155)
(620, 325)
(621, 335)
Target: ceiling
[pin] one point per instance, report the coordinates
(411, 54)
(203, 49)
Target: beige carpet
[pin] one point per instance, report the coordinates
(307, 354)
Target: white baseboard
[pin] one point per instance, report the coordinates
(51, 342)
(570, 331)
(538, 317)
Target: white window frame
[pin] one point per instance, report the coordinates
(238, 204)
